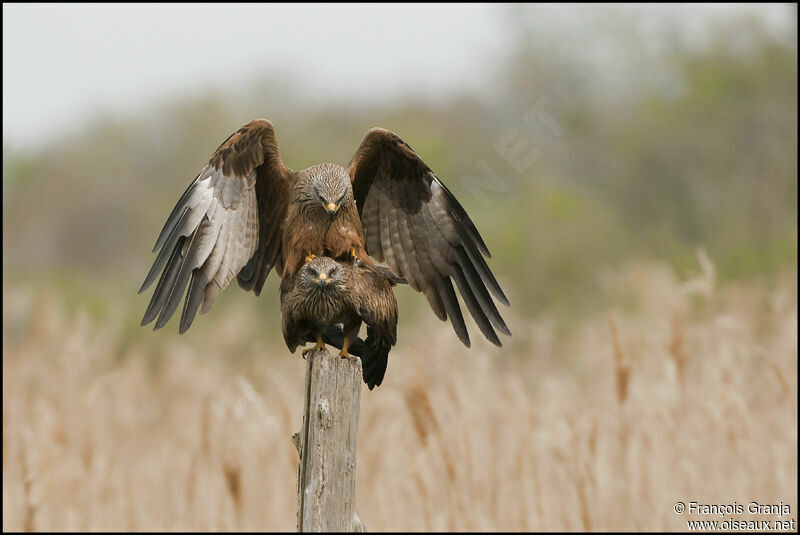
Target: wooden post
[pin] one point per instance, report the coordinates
(326, 475)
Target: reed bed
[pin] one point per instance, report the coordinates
(687, 392)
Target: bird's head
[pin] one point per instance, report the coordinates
(330, 187)
(322, 274)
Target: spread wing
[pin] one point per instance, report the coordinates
(414, 223)
(226, 223)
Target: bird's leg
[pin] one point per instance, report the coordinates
(320, 345)
(310, 257)
(353, 253)
(345, 344)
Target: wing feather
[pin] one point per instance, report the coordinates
(400, 254)
(474, 307)
(385, 230)
(180, 282)
(370, 217)
(226, 220)
(164, 286)
(207, 240)
(417, 226)
(413, 259)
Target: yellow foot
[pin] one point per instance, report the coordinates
(310, 257)
(343, 353)
(319, 346)
(353, 253)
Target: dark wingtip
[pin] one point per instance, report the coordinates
(151, 276)
(494, 339)
(503, 328)
(193, 298)
(502, 297)
(162, 320)
(464, 339)
(149, 315)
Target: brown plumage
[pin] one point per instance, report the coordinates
(308, 230)
(246, 213)
(324, 293)
(415, 224)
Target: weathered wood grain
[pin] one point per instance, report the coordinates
(326, 476)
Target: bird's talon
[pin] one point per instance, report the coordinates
(345, 344)
(310, 257)
(319, 346)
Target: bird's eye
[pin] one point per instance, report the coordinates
(313, 271)
(333, 270)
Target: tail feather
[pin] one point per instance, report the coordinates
(375, 359)
(374, 352)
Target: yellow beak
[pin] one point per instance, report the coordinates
(331, 207)
(322, 276)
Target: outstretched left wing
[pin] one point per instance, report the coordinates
(227, 223)
(414, 223)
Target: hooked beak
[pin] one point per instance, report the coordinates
(331, 208)
(322, 279)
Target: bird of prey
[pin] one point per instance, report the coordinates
(246, 214)
(325, 293)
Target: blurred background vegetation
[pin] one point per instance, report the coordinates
(680, 146)
(633, 173)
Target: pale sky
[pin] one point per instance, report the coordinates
(63, 64)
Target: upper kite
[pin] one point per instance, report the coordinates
(247, 213)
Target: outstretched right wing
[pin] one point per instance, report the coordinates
(226, 223)
(415, 224)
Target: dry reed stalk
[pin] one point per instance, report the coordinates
(779, 375)
(191, 485)
(582, 474)
(426, 425)
(205, 425)
(583, 503)
(232, 471)
(622, 368)
(677, 350)
(29, 508)
(615, 472)
(419, 406)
